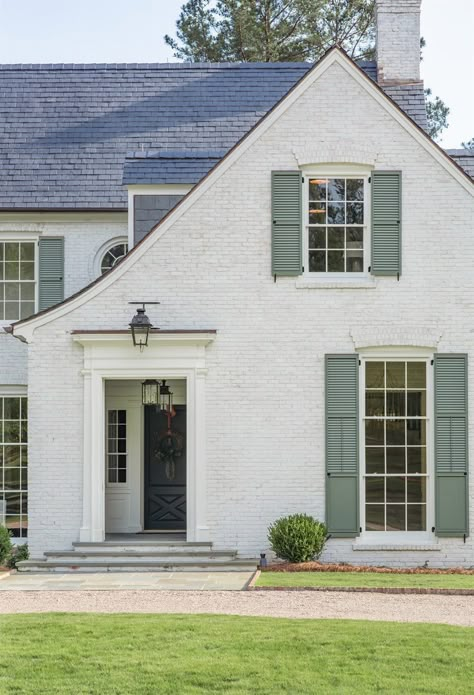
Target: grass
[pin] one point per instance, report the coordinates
(183, 655)
(367, 579)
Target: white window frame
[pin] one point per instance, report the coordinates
(17, 391)
(117, 484)
(399, 355)
(337, 171)
(104, 249)
(15, 237)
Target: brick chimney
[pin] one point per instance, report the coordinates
(398, 41)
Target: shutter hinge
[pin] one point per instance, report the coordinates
(360, 529)
(370, 179)
(432, 362)
(398, 277)
(433, 529)
(302, 179)
(464, 538)
(360, 362)
(302, 269)
(370, 268)
(274, 278)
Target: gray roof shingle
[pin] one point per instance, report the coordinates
(465, 159)
(66, 129)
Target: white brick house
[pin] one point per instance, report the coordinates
(314, 327)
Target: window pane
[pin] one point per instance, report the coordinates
(12, 478)
(375, 403)
(355, 189)
(27, 291)
(396, 375)
(396, 489)
(12, 291)
(317, 189)
(374, 460)
(395, 403)
(27, 271)
(416, 375)
(396, 459)
(317, 213)
(416, 517)
(374, 490)
(395, 432)
(336, 189)
(11, 408)
(11, 432)
(416, 489)
(317, 238)
(374, 375)
(12, 271)
(354, 237)
(416, 432)
(26, 309)
(12, 251)
(416, 403)
(355, 261)
(11, 456)
(12, 311)
(374, 517)
(335, 237)
(336, 261)
(355, 213)
(395, 517)
(336, 213)
(317, 261)
(374, 432)
(27, 252)
(416, 459)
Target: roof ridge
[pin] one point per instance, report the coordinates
(149, 66)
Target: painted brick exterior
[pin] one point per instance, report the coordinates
(265, 380)
(398, 40)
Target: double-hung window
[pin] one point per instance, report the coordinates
(335, 238)
(17, 279)
(395, 441)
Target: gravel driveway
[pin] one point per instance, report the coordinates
(454, 610)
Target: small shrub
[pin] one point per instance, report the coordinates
(297, 538)
(5, 545)
(18, 553)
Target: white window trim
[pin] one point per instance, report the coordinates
(109, 244)
(117, 484)
(402, 538)
(16, 391)
(5, 237)
(361, 280)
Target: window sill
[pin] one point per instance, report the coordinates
(360, 283)
(409, 546)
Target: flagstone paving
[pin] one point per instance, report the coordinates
(127, 581)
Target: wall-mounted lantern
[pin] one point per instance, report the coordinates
(140, 326)
(166, 397)
(151, 392)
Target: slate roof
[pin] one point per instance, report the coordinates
(187, 166)
(65, 130)
(465, 159)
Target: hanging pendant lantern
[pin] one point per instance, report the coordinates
(166, 397)
(151, 392)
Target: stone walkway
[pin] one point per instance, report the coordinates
(128, 581)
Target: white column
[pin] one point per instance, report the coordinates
(200, 475)
(85, 531)
(93, 493)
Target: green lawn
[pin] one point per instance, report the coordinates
(369, 579)
(150, 654)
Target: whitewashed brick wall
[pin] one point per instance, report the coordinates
(265, 383)
(85, 234)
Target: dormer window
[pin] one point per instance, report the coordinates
(335, 224)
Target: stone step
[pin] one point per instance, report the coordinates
(138, 554)
(144, 546)
(240, 565)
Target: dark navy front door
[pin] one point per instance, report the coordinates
(165, 470)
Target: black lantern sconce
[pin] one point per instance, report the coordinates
(166, 397)
(140, 326)
(151, 392)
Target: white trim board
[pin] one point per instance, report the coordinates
(334, 56)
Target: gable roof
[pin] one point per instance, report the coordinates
(67, 129)
(464, 158)
(335, 54)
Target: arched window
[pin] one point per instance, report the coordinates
(114, 254)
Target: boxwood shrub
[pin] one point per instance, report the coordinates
(297, 538)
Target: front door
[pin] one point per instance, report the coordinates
(165, 470)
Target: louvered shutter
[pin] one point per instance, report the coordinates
(342, 445)
(386, 257)
(286, 222)
(451, 445)
(51, 271)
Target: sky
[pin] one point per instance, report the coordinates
(107, 31)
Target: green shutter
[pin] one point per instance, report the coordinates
(286, 222)
(386, 223)
(451, 445)
(51, 271)
(342, 445)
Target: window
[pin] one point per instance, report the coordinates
(17, 280)
(395, 445)
(335, 224)
(112, 256)
(117, 446)
(14, 464)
